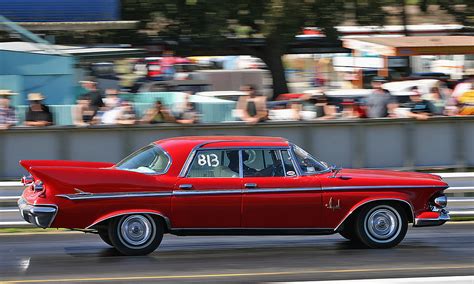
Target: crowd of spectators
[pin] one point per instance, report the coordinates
(108, 108)
(380, 103)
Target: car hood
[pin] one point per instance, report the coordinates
(388, 177)
(389, 174)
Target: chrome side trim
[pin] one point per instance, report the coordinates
(85, 196)
(206, 192)
(375, 200)
(167, 220)
(281, 190)
(81, 196)
(381, 187)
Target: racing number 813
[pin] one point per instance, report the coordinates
(210, 160)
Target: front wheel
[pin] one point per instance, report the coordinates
(136, 234)
(381, 225)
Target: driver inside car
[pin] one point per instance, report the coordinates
(233, 157)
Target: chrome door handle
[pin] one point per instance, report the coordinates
(250, 185)
(185, 186)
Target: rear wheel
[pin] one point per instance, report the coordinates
(136, 234)
(381, 225)
(104, 235)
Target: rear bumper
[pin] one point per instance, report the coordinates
(39, 215)
(429, 220)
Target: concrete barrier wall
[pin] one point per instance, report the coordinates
(446, 142)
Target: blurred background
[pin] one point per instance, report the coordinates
(386, 84)
(357, 83)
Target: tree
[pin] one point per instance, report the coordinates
(220, 24)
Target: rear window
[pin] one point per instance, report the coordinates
(149, 160)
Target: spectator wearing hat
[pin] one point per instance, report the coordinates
(380, 103)
(7, 113)
(38, 114)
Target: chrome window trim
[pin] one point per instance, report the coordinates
(241, 164)
(187, 164)
(166, 169)
(298, 166)
(282, 163)
(374, 200)
(293, 161)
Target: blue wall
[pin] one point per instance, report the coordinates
(51, 75)
(60, 10)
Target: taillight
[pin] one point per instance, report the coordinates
(27, 180)
(38, 186)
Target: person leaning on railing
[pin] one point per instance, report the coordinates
(157, 114)
(8, 116)
(84, 112)
(38, 114)
(380, 103)
(252, 108)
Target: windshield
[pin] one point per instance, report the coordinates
(307, 163)
(149, 160)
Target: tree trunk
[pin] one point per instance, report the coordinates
(272, 56)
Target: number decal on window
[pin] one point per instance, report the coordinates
(210, 160)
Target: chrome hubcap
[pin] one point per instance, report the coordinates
(382, 224)
(136, 230)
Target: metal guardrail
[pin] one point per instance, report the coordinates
(460, 199)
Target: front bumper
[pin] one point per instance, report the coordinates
(430, 219)
(39, 215)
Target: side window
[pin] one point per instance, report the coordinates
(262, 163)
(215, 163)
(287, 161)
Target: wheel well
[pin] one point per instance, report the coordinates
(104, 223)
(403, 204)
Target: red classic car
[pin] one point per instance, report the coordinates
(227, 186)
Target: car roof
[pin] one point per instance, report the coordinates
(179, 148)
(228, 140)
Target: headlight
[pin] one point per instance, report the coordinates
(441, 201)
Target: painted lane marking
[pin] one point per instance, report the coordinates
(412, 280)
(229, 275)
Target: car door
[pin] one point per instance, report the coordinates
(210, 194)
(274, 195)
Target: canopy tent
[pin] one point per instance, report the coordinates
(410, 46)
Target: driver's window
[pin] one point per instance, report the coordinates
(262, 163)
(215, 163)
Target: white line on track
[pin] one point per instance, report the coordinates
(417, 280)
